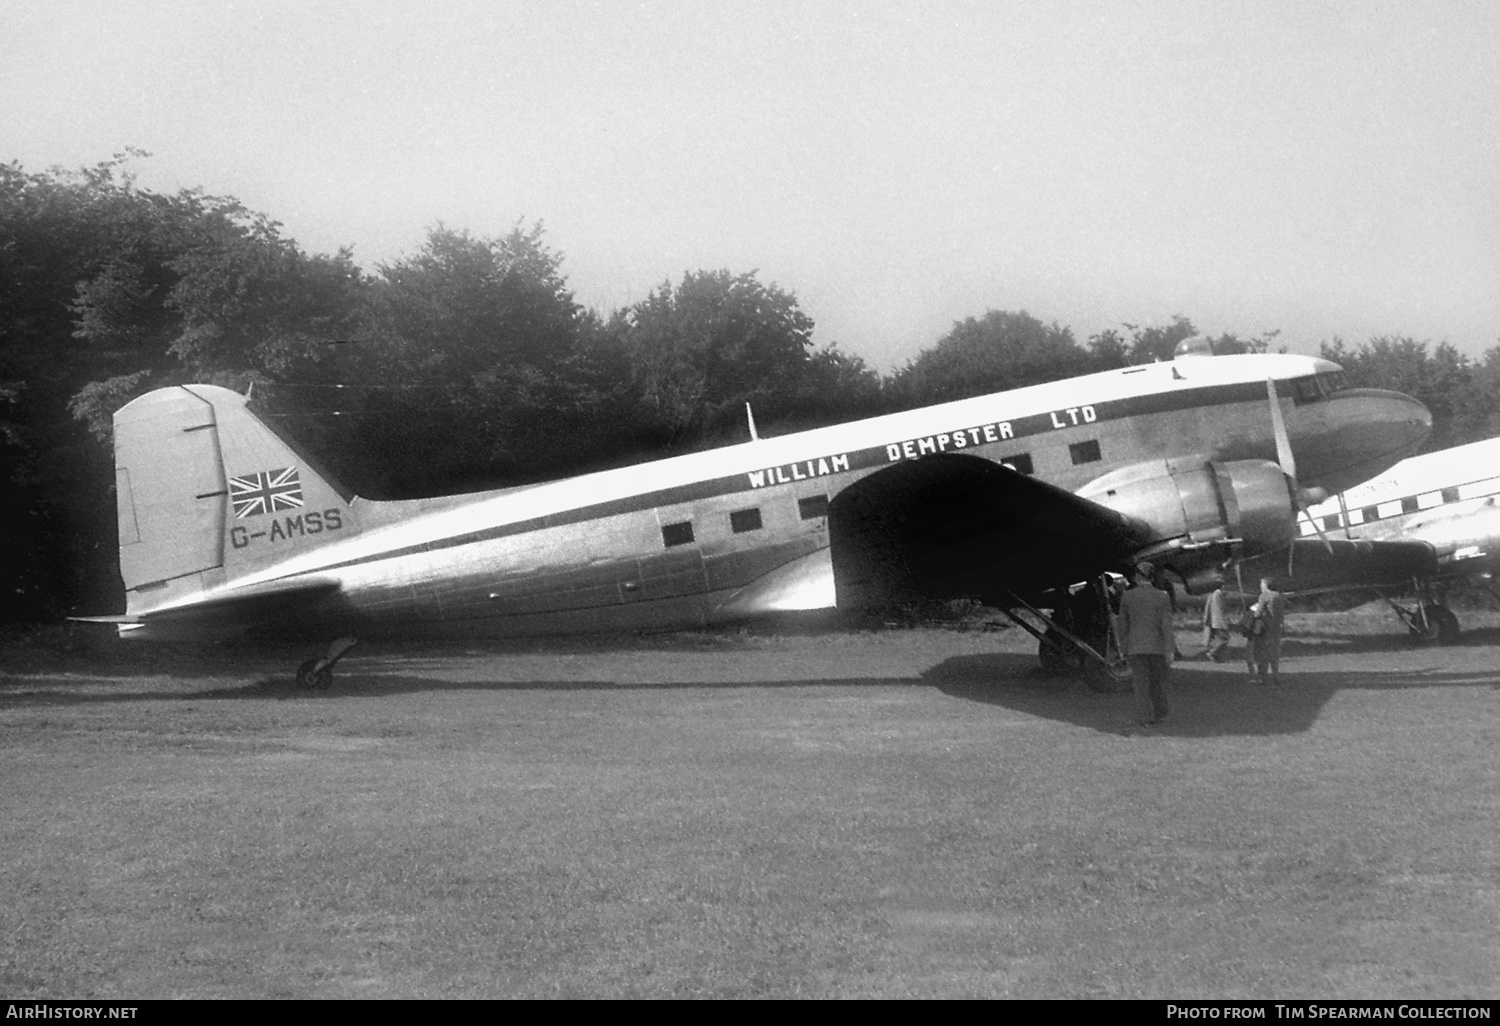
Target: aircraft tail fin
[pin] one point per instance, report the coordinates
(208, 493)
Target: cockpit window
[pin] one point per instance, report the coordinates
(1317, 386)
(1306, 390)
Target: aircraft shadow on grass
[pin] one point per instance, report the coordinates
(1206, 701)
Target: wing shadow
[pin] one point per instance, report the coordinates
(1206, 700)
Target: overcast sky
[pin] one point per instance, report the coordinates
(1321, 168)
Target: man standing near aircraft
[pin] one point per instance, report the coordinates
(1265, 636)
(1215, 624)
(1146, 637)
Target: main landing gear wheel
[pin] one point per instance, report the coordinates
(1111, 678)
(1056, 654)
(1439, 626)
(1097, 676)
(318, 673)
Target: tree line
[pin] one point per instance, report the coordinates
(464, 365)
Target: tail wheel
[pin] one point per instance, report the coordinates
(315, 674)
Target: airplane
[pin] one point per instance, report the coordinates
(227, 529)
(1426, 522)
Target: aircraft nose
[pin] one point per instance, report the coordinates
(1369, 431)
(1423, 418)
(1408, 421)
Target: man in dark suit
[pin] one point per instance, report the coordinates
(1265, 636)
(1146, 637)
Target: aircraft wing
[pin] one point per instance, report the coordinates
(940, 527)
(1351, 565)
(225, 613)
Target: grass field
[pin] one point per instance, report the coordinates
(905, 813)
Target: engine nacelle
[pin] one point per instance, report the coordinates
(1198, 506)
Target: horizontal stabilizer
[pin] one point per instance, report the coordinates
(273, 596)
(223, 614)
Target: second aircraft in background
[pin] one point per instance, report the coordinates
(1427, 522)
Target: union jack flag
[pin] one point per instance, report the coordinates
(265, 492)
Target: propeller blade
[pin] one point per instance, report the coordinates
(1302, 497)
(1283, 444)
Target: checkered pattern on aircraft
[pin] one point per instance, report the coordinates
(265, 492)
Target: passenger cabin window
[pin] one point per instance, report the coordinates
(1021, 462)
(1409, 504)
(812, 507)
(742, 520)
(1331, 523)
(1450, 494)
(1371, 514)
(1085, 452)
(677, 534)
